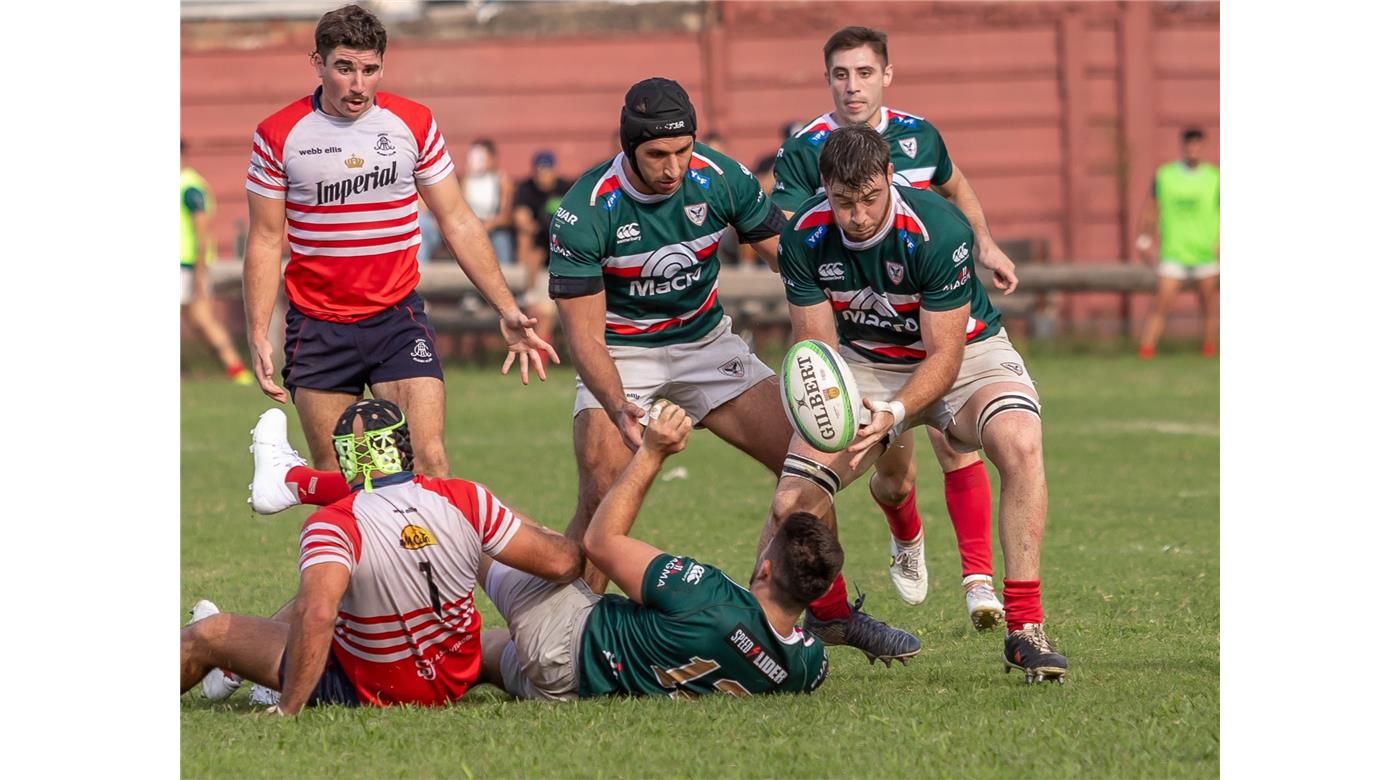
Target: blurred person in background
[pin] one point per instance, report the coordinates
(338, 173)
(729, 246)
(1184, 207)
(535, 202)
(432, 235)
(763, 171)
(857, 70)
(487, 190)
(196, 252)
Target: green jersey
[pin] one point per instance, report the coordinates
(656, 254)
(917, 152)
(920, 258)
(1188, 209)
(194, 199)
(695, 632)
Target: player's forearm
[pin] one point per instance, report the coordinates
(308, 644)
(468, 240)
(262, 270)
(968, 203)
(931, 380)
(619, 508)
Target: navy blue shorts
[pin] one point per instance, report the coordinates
(346, 357)
(334, 687)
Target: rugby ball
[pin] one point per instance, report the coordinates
(820, 396)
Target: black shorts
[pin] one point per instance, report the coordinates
(346, 357)
(334, 687)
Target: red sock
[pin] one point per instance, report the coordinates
(832, 604)
(969, 495)
(233, 369)
(321, 488)
(904, 520)
(1022, 600)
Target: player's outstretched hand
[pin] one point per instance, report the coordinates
(523, 343)
(628, 422)
(990, 257)
(870, 434)
(669, 429)
(263, 369)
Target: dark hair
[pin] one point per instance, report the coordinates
(852, 156)
(376, 414)
(352, 27)
(487, 144)
(765, 165)
(1192, 134)
(854, 38)
(806, 557)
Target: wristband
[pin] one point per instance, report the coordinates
(895, 408)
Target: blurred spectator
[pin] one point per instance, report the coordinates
(487, 190)
(714, 141)
(1184, 207)
(196, 252)
(431, 233)
(536, 200)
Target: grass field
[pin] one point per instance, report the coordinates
(1130, 573)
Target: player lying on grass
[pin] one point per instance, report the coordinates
(384, 614)
(684, 628)
(885, 269)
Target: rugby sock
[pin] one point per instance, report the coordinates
(832, 605)
(1022, 599)
(321, 488)
(904, 522)
(969, 495)
(234, 369)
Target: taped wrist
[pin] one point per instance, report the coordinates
(895, 408)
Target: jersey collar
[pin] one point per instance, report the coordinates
(884, 120)
(620, 171)
(895, 202)
(383, 482)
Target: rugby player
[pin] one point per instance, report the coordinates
(633, 268)
(684, 628)
(857, 69)
(338, 173)
(925, 347)
(384, 614)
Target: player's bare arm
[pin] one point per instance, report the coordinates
(813, 322)
(944, 335)
(985, 250)
(1147, 228)
(542, 552)
(624, 559)
(309, 640)
(584, 318)
(204, 240)
(262, 271)
(463, 232)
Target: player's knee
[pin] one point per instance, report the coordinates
(431, 460)
(893, 488)
(1016, 444)
(201, 638)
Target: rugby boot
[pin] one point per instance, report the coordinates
(273, 457)
(218, 684)
(982, 604)
(1029, 651)
(878, 640)
(907, 570)
(263, 696)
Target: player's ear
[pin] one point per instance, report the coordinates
(765, 571)
(889, 75)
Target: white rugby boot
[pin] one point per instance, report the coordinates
(907, 570)
(219, 684)
(273, 457)
(263, 696)
(982, 604)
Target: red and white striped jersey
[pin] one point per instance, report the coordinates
(352, 200)
(408, 631)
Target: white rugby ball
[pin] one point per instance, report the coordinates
(820, 396)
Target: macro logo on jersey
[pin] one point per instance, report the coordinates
(742, 640)
(415, 537)
(890, 311)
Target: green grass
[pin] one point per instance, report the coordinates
(1130, 571)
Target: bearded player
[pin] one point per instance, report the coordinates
(384, 614)
(338, 174)
(884, 271)
(857, 70)
(683, 628)
(634, 270)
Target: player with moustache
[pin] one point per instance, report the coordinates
(884, 271)
(857, 71)
(634, 270)
(338, 174)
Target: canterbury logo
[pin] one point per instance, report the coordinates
(629, 232)
(828, 271)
